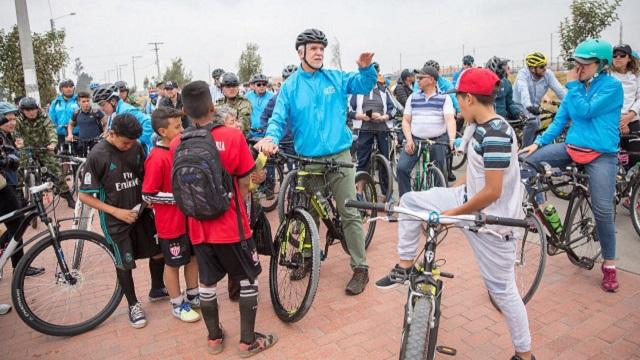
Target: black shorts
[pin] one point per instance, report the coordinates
(137, 241)
(178, 251)
(217, 260)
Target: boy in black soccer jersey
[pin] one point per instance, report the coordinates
(113, 171)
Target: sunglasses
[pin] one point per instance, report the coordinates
(260, 84)
(619, 56)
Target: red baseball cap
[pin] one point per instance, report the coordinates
(476, 81)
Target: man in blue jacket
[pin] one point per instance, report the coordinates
(62, 108)
(313, 102)
(259, 100)
(106, 96)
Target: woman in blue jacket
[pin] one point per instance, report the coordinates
(593, 103)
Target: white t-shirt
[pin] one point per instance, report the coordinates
(427, 116)
(493, 146)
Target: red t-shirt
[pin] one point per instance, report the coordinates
(170, 221)
(236, 158)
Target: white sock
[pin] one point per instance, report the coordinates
(609, 266)
(176, 301)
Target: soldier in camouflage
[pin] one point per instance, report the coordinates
(230, 89)
(123, 93)
(35, 129)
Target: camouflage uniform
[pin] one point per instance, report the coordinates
(243, 107)
(131, 100)
(39, 132)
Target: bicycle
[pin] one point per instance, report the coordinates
(267, 193)
(34, 174)
(57, 304)
(297, 242)
(379, 166)
(422, 309)
(427, 174)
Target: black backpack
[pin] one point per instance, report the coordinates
(201, 186)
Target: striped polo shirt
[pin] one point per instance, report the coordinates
(427, 114)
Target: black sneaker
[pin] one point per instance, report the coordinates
(158, 294)
(137, 319)
(516, 357)
(301, 272)
(397, 276)
(452, 177)
(358, 281)
(34, 271)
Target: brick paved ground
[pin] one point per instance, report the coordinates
(570, 317)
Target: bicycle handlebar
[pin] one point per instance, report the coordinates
(367, 205)
(40, 188)
(309, 161)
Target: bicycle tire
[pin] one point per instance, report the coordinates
(286, 191)
(419, 342)
(459, 159)
(582, 253)
(434, 178)
(267, 204)
(383, 169)
(529, 248)
(635, 208)
(370, 195)
(23, 304)
(281, 243)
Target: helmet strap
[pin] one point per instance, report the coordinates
(304, 58)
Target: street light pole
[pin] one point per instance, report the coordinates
(120, 70)
(155, 48)
(26, 50)
(551, 49)
(133, 68)
(52, 21)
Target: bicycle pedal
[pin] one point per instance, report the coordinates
(586, 263)
(446, 350)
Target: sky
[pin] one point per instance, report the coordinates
(208, 34)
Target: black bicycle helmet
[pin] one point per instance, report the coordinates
(432, 63)
(468, 60)
(497, 65)
(121, 85)
(28, 103)
(259, 78)
(230, 80)
(65, 82)
(217, 73)
(104, 93)
(311, 36)
(288, 71)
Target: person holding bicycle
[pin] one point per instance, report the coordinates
(492, 185)
(313, 103)
(593, 104)
(427, 115)
(532, 83)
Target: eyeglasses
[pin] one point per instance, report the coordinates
(541, 67)
(619, 56)
(260, 84)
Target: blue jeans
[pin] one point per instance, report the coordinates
(363, 150)
(407, 162)
(602, 186)
(531, 126)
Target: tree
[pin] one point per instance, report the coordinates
(336, 57)
(176, 72)
(83, 82)
(146, 82)
(50, 57)
(77, 67)
(587, 20)
(250, 62)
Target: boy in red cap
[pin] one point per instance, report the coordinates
(493, 166)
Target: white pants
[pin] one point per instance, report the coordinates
(495, 257)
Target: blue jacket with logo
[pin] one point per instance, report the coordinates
(143, 119)
(594, 115)
(60, 112)
(258, 105)
(314, 105)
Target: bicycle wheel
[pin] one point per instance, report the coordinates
(420, 343)
(287, 189)
(370, 195)
(458, 159)
(383, 176)
(433, 178)
(269, 190)
(297, 241)
(581, 239)
(634, 202)
(531, 257)
(52, 305)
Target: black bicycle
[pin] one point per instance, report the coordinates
(294, 269)
(379, 166)
(80, 288)
(422, 308)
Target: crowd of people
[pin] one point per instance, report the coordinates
(315, 113)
